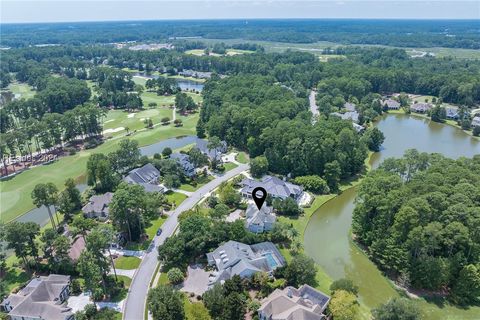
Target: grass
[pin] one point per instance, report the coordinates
(196, 52)
(15, 196)
(126, 281)
(175, 197)
(155, 224)
(23, 90)
(195, 310)
(127, 263)
(15, 276)
(163, 279)
(201, 181)
(229, 166)
(242, 157)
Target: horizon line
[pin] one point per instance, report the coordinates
(238, 19)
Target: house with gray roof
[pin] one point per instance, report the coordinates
(184, 161)
(42, 298)
(476, 122)
(275, 187)
(452, 112)
(236, 258)
(421, 107)
(391, 104)
(147, 177)
(349, 106)
(97, 206)
(212, 154)
(259, 221)
(304, 303)
(349, 115)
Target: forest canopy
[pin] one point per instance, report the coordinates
(419, 217)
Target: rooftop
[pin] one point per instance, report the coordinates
(274, 186)
(98, 203)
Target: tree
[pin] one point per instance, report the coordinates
(332, 174)
(466, 290)
(45, 194)
(172, 181)
(259, 166)
(166, 152)
(165, 303)
(438, 114)
(301, 270)
(175, 276)
(82, 225)
(165, 121)
(213, 300)
(197, 158)
(126, 157)
(69, 199)
(100, 173)
(220, 211)
(373, 138)
(397, 309)
(20, 237)
(345, 285)
(344, 305)
(288, 206)
(228, 195)
(92, 273)
(476, 131)
(178, 122)
(313, 183)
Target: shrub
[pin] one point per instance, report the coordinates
(313, 183)
(476, 131)
(175, 276)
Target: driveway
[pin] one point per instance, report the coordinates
(134, 307)
(197, 280)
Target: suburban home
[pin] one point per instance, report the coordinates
(452, 112)
(275, 187)
(212, 154)
(76, 248)
(351, 107)
(195, 74)
(476, 122)
(258, 221)
(184, 162)
(147, 177)
(349, 115)
(304, 303)
(235, 258)
(97, 206)
(391, 104)
(420, 107)
(42, 298)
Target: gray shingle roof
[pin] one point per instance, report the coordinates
(98, 203)
(184, 161)
(202, 145)
(146, 174)
(274, 186)
(40, 299)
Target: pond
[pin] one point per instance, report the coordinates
(173, 143)
(327, 235)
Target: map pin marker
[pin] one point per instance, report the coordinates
(259, 195)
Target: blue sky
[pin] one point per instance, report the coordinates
(91, 10)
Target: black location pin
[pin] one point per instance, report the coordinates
(259, 195)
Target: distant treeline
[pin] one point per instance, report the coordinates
(401, 33)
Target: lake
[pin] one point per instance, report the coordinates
(184, 84)
(327, 236)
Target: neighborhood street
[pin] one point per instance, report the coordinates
(135, 303)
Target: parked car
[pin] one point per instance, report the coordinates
(159, 231)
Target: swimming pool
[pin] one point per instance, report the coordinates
(272, 263)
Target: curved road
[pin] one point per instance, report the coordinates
(134, 308)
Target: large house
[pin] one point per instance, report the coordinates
(304, 303)
(420, 107)
(184, 161)
(97, 206)
(349, 115)
(42, 298)
(258, 221)
(349, 106)
(391, 104)
(212, 154)
(476, 122)
(452, 112)
(147, 177)
(235, 258)
(275, 187)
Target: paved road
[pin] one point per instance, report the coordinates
(313, 105)
(134, 308)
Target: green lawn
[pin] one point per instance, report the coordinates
(175, 197)
(242, 157)
(15, 195)
(196, 52)
(155, 224)
(15, 275)
(229, 166)
(24, 90)
(163, 279)
(126, 280)
(201, 181)
(127, 263)
(195, 310)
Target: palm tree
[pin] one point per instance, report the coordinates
(45, 194)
